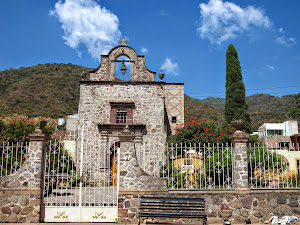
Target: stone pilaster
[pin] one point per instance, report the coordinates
(240, 160)
(131, 174)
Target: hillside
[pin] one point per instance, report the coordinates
(52, 90)
(262, 107)
(194, 108)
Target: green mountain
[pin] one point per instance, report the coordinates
(52, 90)
(262, 107)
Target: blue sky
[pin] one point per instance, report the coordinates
(188, 39)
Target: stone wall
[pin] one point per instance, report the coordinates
(20, 205)
(273, 141)
(220, 205)
(148, 115)
(21, 192)
(71, 122)
(138, 70)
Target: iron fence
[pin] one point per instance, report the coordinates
(12, 157)
(274, 166)
(197, 166)
(209, 166)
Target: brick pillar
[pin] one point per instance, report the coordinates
(240, 160)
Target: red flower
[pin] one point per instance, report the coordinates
(218, 139)
(198, 131)
(214, 134)
(194, 135)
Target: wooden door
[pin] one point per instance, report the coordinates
(114, 169)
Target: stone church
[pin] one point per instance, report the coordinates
(148, 109)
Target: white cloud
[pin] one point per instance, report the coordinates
(221, 21)
(292, 40)
(270, 67)
(285, 41)
(170, 67)
(86, 22)
(144, 50)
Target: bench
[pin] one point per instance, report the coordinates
(172, 207)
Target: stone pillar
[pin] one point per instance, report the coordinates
(240, 160)
(22, 191)
(132, 178)
(128, 161)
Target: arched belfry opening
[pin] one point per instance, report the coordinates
(123, 68)
(122, 63)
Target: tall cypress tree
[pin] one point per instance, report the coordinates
(236, 107)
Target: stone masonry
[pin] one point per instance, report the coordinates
(240, 160)
(21, 192)
(149, 105)
(220, 205)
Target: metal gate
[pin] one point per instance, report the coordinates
(81, 185)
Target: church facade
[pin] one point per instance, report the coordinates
(150, 109)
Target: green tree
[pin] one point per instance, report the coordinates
(236, 107)
(295, 112)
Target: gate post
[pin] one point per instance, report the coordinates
(240, 158)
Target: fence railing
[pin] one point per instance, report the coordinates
(209, 166)
(276, 166)
(12, 157)
(184, 166)
(197, 166)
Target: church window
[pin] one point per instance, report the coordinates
(121, 113)
(174, 119)
(121, 116)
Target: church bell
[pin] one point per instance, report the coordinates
(123, 68)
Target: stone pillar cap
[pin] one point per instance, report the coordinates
(239, 136)
(37, 135)
(126, 135)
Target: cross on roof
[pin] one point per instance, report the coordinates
(123, 41)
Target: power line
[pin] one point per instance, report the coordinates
(256, 89)
(223, 96)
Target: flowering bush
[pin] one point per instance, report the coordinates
(18, 127)
(203, 132)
